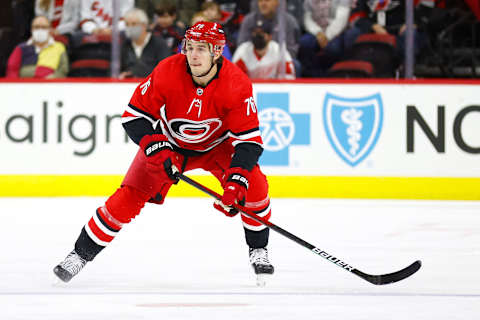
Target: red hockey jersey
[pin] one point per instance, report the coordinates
(193, 117)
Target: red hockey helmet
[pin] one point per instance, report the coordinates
(209, 32)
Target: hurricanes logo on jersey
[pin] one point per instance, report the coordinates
(191, 131)
(197, 103)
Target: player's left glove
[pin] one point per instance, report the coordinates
(160, 155)
(234, 190)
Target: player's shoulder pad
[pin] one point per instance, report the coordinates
(238, 80)
(170, 65)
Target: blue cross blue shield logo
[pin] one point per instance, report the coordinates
(281, 128)
(353, 125)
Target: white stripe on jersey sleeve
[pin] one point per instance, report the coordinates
(138, 115)
(243, 138)
(246, 136)
(128, 119)
(234, 143)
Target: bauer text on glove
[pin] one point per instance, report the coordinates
(234, 190)
(160, 155)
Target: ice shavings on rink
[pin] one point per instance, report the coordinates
(184, 260)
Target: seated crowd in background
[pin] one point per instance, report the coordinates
(39, 57)
(142, 50)
(261, 58)
(348, 38)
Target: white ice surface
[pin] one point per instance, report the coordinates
(184, 260)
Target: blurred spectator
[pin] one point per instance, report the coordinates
(211, 11)
(63, 15)
(197, 17)
(96, 15)
(231, 8)
(40, 56)
(165, 27)
(6, 35)
(261, 58)
(90, 48)
(322, 45)
(232, 14)
(383, 17)
(294, 7)
(23, 14)
(268, 14)
(185, 9)
(142, 51)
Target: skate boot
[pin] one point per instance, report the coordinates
(260, 264)
(69, 267)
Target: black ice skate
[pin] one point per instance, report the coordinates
(260, 264)
(69, 267)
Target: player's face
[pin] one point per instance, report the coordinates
(199, 57)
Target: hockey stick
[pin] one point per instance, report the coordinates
(375, 279)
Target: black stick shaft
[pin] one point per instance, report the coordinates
(375, 279)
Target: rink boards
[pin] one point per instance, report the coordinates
(376, 139)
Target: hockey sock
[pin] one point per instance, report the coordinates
(261, 209)
(256, 234)
(100, 230)
(257, 239)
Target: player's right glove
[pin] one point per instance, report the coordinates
(160, 155)
(234, 191)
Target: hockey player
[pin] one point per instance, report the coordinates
(195, 110)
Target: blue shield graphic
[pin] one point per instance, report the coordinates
(353, 125)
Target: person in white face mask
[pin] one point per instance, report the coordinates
(41, 56)
(142, 50)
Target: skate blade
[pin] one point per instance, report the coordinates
(57, 282)
(262, 279)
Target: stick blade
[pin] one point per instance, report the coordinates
(394, 276)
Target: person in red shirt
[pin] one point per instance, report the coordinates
(195, 110)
